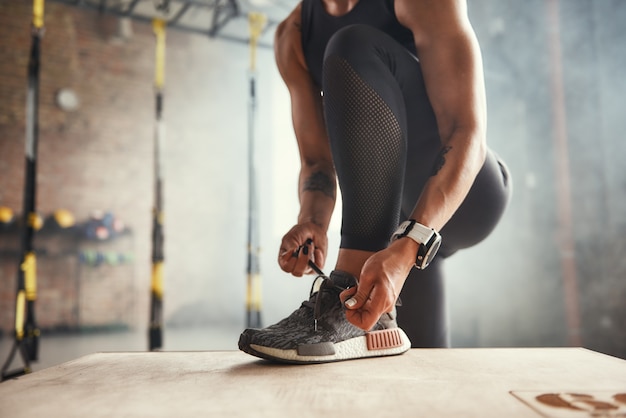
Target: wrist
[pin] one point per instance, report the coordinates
(318, 214)
(321, 226)
(427, 239)
(406, 248)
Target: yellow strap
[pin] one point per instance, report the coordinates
(29, 267)
(253, 292)
(256, 303)
(157, 279)
(158, 25)
(257, 23)
(249, 293)
(38, 13)
(20, 307)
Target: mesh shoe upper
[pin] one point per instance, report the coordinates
(301, 327)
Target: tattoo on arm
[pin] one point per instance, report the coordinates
(440, 161)
(320, 182)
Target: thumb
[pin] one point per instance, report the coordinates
(354, 297)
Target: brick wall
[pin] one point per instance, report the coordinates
(99, 157)
(95, 158)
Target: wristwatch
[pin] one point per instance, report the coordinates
(428, 239)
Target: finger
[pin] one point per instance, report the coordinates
(318, 257)
(310, 252)
(359, 298)
(286, 251)
(302, 261)
(347, 294)
(362, 318)
(285, 254)
(287, 264)
(289, 243)
(287, 257)
(369, 311)
(381, 300)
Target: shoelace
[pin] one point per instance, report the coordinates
(326, 285)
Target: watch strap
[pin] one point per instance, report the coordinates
(428, 240)
(414, 230)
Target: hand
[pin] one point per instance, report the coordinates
(381, 281)
(305, 241)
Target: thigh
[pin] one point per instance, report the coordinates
(481, 210)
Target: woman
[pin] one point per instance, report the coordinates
(388, 98)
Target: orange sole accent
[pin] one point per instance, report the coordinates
(384, 338)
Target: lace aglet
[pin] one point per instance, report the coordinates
(315, 325)
(316, 269)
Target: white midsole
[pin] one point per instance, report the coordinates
(344, 350)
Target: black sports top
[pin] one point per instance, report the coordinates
(318, 27)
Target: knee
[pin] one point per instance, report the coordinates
(353, 49)
(350, 41)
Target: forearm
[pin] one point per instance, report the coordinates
(451, 62)
(453, 174)
(317, 193)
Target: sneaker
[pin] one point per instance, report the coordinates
(318, 331)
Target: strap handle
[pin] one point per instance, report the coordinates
(158, 25)
(256, 23)
(38, 9)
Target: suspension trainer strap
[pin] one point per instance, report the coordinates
(256, 22)
(26, 330)
(155, 333)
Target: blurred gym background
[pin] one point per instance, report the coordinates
(552, 274)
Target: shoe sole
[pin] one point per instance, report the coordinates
(389, 342)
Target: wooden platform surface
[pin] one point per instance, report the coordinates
(501, 382)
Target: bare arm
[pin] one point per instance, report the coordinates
(317, 181)
(452, 66)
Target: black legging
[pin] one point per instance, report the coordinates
(384, 140)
